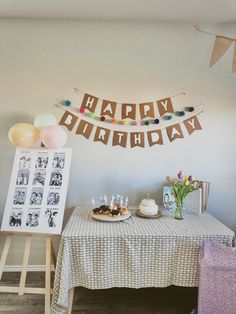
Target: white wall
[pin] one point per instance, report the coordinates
(42, 60)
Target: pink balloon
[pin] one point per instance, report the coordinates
(53, 136)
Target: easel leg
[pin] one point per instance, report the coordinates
(48, 275)
(25, 264)
(5, 253)
(72, 290)
(53, 254)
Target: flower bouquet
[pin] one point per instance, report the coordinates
(181, 187)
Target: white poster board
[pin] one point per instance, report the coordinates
(37, 191)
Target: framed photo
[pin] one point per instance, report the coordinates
(37, 191)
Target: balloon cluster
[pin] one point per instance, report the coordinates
(45, 128)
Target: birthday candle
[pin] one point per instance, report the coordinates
(126, 201)
(101, 200)
(105, 199)
(93, 202)
(121, 201)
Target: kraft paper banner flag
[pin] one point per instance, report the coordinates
(174, 131)
(89, 102)
(84, 128)
(68, 120)
(119, 138)
(155, 137)
(102, 135)
(234, 58)
(164, 106)
(221, 45)
(192, 124)
(147, 110)
(128, 111)
(137, 139)
(108, 108)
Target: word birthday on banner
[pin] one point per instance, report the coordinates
(120, 138)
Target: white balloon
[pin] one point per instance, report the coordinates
(44, 119)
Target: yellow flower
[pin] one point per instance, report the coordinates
(186, 182)
(175, 181)
(168, 179)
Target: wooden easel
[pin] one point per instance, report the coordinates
(21, 289)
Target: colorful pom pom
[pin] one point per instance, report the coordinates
(169, 117)
(182, 113)
(91, 115)
(147, 122)
(81, 110)
(113, 120)
(190, 109)
(125, 122)
(67, 103)
(102, 118)
(156, 121)
(138, 123)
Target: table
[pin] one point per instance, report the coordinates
(135, 253)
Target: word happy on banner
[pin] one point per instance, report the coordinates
(120, 138)
(128, 111)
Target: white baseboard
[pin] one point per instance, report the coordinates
(18, 268)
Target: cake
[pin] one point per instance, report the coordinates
(148, 207)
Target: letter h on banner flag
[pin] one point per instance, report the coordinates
(137, 139)
(89, 102)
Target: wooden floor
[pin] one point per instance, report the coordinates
(172, 300)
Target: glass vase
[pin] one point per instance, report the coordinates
(179, 211)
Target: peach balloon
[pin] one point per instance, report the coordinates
(23, 134)
(53, 136)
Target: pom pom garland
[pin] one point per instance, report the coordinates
(147, 122)
(113, 120)
(82, 110)
(156, 121)
(102, 118)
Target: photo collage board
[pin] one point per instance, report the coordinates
(37, 191)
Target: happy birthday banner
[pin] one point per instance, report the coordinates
(121, 138)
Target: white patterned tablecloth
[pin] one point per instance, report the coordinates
(135, 253)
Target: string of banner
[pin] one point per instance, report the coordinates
(128, 117)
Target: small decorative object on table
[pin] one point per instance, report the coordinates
(117, 209)
(182, 186)
(148, 209)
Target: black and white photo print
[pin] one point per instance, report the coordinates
(32, 219)
(51, 215)
(24, 162)
(16, 218)
(23, 177)
(37, 190)
(58, 161)
(56, 178)
(19, 196)
(41, 161)
(39, 177)
(53, 198)
(36, 196)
